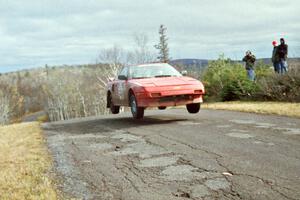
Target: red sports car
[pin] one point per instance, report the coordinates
(153, 85)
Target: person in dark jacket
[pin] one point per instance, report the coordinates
(250, 61)
(282, 52)
(275, 57)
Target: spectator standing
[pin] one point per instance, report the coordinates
(250, 61)
(282, 52)
(275, 57)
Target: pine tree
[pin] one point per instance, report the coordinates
(163, 45)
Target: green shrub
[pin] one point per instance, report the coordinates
(226, 80)
(263, 70)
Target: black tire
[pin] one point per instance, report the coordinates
(137, 112)
(162, 107)
(113, 109)
(193, 108)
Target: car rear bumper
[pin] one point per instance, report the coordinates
(174, 100)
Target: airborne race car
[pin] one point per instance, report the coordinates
(153, 85)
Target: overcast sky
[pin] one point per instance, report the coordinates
(55, 32)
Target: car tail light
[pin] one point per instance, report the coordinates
(198, 91)
(155, 94)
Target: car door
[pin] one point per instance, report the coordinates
(119, 87)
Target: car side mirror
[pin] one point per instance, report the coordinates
(122, 77)
(184, 73)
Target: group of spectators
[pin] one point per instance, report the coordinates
(279, 59)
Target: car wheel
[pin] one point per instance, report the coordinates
(137, 112)
(162, 107)
(193, 108)
(114, 109)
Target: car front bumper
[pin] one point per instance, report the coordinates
(173, 100)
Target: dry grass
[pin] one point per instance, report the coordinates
(278, 108)
(24, 162)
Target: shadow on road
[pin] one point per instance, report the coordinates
(107, 124)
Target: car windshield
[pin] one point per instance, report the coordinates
(151, 71)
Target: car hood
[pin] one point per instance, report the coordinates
(166, 81)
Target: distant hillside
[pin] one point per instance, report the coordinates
(190, 61)
(200, 64)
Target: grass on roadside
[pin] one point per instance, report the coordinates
(278, 108)
(24, 163)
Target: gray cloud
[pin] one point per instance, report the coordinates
(34, 33)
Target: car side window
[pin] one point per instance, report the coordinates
(124, 72)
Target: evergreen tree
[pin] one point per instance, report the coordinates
(163, 45)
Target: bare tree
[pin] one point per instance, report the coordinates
(111, 60)
(74, 92)
(142, 53)
(11, 102)
(4, 109)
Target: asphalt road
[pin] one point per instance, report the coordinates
(175, 155)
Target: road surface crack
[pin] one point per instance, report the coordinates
(269, 183)
(126, 173)
(105, 188)
(191, 146)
